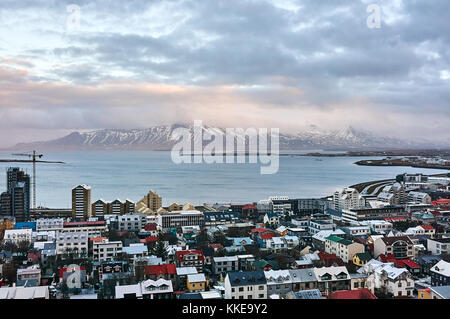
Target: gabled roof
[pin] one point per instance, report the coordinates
(157, 270)
(181, 253)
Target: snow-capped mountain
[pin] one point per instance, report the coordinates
(164, 137)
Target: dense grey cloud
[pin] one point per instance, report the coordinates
(287, 63)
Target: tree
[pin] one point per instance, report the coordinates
(160, 250)
(170, 237)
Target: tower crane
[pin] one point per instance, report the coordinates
(33, 156)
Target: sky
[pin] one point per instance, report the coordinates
(84, 65)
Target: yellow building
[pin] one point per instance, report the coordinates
(196, 282)
(174, 207)
(5, 224)
(424, 294)
(361, 259)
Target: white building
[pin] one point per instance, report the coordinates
(106, 250)
(132, 222)
(49, 224)
(17, 236)
(76, 243)
(418, 198)
(385, 276)
(246, 285)
(378, 226)
(348, 198)
(282, 243)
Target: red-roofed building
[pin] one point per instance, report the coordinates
(150, 239)
(441, 202)
(395, 219)
(62, 270)
(352, 294)
(249, 211)
(329, 260)
(412, 266)
(389, 258)
(191, 258)
(152, 229)
(166, 271)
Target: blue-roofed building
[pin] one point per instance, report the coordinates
(25, 225)
(246, 285)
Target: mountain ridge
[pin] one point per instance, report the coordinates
(160, 138)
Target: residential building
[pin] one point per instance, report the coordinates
(440, 274)
(81, 202)
(106, 250)
(92, 228)
(271, 219)
(347, 198)
(343, 248)
(225, 264)
(279, 282)
(50, 224)
(303, 279)
(438, 246)
(99, 208)
(246, 285)
(418, 198)
(196, 282)
(331, 279)
(400, 246)
(18, 236)
(72, 243)
(191, 258)
(17, 202)
(387, 278)
(132, 222)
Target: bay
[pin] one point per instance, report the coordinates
(131, 174)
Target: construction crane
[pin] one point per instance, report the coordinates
(33, 156)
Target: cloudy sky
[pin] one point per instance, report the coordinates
(234, 63)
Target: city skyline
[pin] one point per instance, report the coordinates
(286, 64)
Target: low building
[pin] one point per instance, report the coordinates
(246, 285)
(196, 282)
(72, 243)
(279, 282)
(400, 246)
(440, 274)
(439, 246)
(343, 248)
(225, 264)
(331, 279)
(106, 250)
(303, 279)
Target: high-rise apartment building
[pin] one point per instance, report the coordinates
(154, 201)
(15, 201)
(99, 208)
(81, 202)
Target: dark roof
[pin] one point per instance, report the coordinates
(247, 278)
(308, 294)
(364, 256)
(391, 240)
